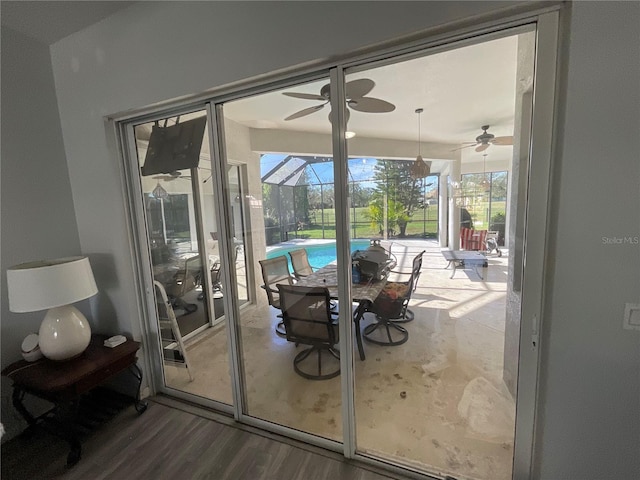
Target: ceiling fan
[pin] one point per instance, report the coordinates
(178, 174)
(171, 176)
(486, 139)
(355, 92)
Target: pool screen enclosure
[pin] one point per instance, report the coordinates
(298, 198)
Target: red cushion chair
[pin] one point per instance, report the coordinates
(471, 239)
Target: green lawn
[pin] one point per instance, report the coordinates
(361, 225)
(480, 212)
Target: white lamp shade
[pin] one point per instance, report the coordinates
(46, 284)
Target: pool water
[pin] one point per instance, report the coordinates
(319, 255)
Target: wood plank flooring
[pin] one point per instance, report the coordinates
(167, 443)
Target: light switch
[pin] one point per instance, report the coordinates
(632, 316)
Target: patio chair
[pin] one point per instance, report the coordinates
(491, 242)
(300, 263)
(173, 349)
(184, 281)
(407, 315)
(308, 320)
(471, 239)
(275, 271)
(390, 309)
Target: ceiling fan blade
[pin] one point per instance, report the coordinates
(305, 112)
(464, 146)
(358, 88)
(482, 148)
(508, 140)
(306, 96)
(371, 105)
(347, 115)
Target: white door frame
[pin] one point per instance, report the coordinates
(534, 256)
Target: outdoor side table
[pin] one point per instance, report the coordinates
(465, 259)
(63, 383)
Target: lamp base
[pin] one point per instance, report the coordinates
(64, 333)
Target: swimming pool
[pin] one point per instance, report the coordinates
(319, 254)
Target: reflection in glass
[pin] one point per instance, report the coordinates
(175, 177)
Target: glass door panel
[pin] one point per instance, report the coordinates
(175, 172)
(433, 392)
(283, 145)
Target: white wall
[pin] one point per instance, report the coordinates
(591, 382)
(38, 219)
(591, 378)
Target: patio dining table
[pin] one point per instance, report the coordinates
(361, 293)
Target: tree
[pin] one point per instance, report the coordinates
(328, 196)
(301, 201)
(499, 186)
(360, 197)
(404, 194)
(395, 214)
(269, 200)
(313, 193)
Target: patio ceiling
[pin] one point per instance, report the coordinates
(460, 90)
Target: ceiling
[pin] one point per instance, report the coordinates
(49, 22)
(460, 90)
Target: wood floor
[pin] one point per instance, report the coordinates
(168, 443)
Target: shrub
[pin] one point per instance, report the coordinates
(498, 222)
(271, 231)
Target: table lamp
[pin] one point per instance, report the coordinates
(55, 285)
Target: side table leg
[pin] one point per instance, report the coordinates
(18, 395)
(63, 429)
(74, 454)
(63, 423)
(139, 404)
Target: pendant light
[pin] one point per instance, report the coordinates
(484, 183)
(160, 192)
(420, 168)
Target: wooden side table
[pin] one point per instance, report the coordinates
(62, 383)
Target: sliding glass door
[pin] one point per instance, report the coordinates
(343, 257)
(181, 224)
(291, 365)
(436, 392)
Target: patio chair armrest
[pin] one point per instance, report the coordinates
(268, 288)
